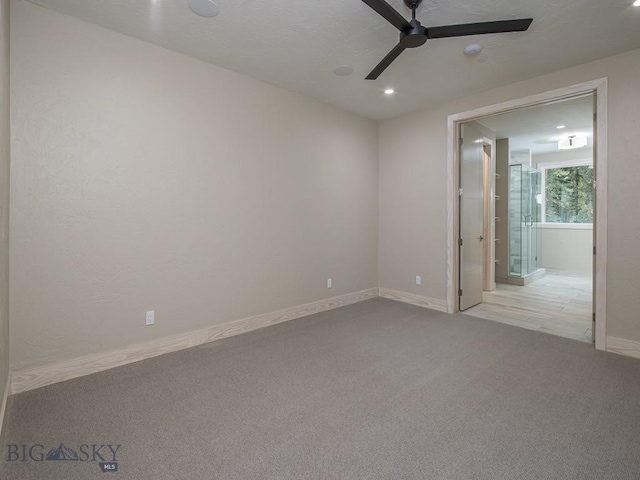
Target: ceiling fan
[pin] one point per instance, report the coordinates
(413, 34)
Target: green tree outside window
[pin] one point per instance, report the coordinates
(569, 195)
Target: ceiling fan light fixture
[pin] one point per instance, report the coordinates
(204, 8)
(574, 141)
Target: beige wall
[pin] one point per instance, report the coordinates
(568, 249)
(4, 195)
(144, 179)
(413, 187)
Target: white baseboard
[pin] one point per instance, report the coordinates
(621, 346)
(24, 380)
(413, 299)
(3, 405)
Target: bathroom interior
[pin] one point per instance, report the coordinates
(542, 250)
(524, 207)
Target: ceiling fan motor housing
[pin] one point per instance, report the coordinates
(412, 3)
(415, 36)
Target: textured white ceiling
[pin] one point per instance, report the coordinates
(535, 128)
(295, 44)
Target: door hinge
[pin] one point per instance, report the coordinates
(459, 242)
(460, 192)
(595, 116)
(594, 250)
(460, 141)
(594, 317)
(460, 292)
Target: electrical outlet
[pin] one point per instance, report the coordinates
(329, 283)
(151, 317)
(418, 280)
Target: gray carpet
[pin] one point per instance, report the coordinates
(376, 390)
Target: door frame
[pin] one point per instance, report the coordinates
(489, 182)
(596, 87)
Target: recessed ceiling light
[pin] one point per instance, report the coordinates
(343, 70)
(389, 91)
(560, 127)
(204, 8)
(636, 3)
(473, 49)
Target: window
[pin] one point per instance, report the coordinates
(567, 193)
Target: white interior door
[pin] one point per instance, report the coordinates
(471, 217)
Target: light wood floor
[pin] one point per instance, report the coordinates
(558, 303)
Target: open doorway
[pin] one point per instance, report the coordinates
(527, 203)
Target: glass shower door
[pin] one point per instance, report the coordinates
(531, 219)
(524, 219)
(534, 211)
(516, 214)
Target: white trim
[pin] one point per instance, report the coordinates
(3, 405)
(567, 226)
(568, 163)
(600, 234)
(489, 220)
(414, 299)
(621, 346)
(24, 380)
(597, 87)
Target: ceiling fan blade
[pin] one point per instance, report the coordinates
(483, 28)
(386, 61)
(389, 13)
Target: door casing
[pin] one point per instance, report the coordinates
(599, 89)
